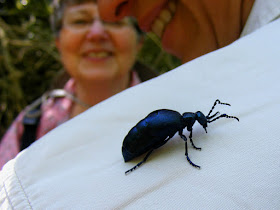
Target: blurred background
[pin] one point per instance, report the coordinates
(29, 61)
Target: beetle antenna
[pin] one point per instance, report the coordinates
(223, 115)
(215, 103)
(214, 115)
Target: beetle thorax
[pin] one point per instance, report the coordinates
(189, 120)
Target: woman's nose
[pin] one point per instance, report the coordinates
(97, 31)
(113, 10)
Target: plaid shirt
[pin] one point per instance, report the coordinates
(55, 111)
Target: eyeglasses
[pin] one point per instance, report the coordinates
(85, 23)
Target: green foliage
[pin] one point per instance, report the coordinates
(154, 56)
(29, 60)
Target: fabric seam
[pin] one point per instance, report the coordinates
(21, 186)
(8, 197)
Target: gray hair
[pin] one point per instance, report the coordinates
(58, 7)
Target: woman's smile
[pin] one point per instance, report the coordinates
(98, 55)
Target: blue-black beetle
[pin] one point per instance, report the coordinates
(160, 126)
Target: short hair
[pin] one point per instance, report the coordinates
(58, 7)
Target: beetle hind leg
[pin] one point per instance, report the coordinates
(149, 153)
(140, 163)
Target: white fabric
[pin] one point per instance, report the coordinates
(79, 165)
(263, 12)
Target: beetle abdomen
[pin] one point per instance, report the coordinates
(151, 132)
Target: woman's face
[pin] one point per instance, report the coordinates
(92, 49)
(181, 24)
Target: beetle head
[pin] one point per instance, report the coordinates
(200, 117)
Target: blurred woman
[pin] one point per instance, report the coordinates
(99, 57)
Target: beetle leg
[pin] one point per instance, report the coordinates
(148, 154)
(186, 150)
(186, 147)
(183, 136)
(185, 139)
(140, 163)
(189, 160)
(197, 148)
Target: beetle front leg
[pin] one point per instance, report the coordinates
(186, 148)
(187, 156)
(197, 148)
(185, 139)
